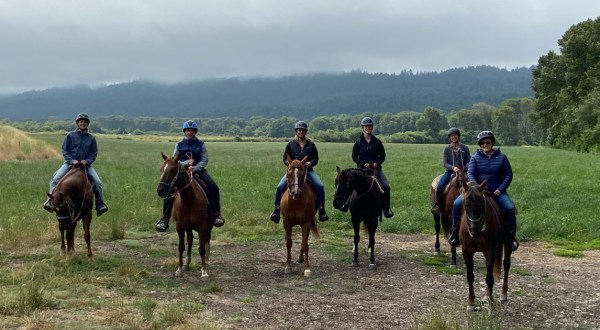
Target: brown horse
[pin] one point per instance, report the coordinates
(72, 200)
(362, 194)
(443, 220)
(480, 232)
(190, 210)
(298, 208)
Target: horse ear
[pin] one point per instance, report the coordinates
(49, 194)
(289, 158)
(177, 157)
(482, 185)
(304, 159)
(338, 169)
(163, 156)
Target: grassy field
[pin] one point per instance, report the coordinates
(556, 192)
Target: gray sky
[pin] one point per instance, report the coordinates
(57, 43)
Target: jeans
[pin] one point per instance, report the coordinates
(315, 182)
(444, 180)
(64, 168)
(507, 209)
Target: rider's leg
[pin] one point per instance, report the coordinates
(457, 208)
(100, 204)
(317, 184)
(215, 198)
(387, 210)
(439, 191)
(163, 223)
(280, 188)
(62, 170)
(509, 217)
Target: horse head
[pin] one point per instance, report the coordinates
(343, 189)
(475, 206)
(170, 172)
(69, 196)
(296, 176)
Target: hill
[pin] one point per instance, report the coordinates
(315, 95)
(16, 145)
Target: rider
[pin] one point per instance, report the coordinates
(456, 159)
(298, 148)
(193, 153)
(368, 153)
(492, 165)
(79, 148)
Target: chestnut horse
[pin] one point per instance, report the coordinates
(480, 232)
(362, 194)
(190, 210)
(72, 200)
(298, 208)
(443, 220)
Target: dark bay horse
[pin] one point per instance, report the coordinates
(298, 208)
(480, 232)
(190, 210)
(443, 220)
(72, 200)
(362, 194)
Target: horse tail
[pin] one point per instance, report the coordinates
(314, 229)
(498, 260)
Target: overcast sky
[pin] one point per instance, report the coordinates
(57, 43)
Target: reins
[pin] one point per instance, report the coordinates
(373, 182)
(172, 187)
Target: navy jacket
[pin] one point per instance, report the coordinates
(78, 145)
(495, 169)
(310, 149)
(194, 148)
(372, 152)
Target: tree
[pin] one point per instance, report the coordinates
(432, 121)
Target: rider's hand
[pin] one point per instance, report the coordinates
(456, 169)
(190, 162)
(374, 165)
(307, 164)
(75, 162)
(497, 192)
(83, 162)
(367, 165)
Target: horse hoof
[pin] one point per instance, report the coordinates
(204, 275)
(186, 268)
(503, 298)
(301, 261)
(355, 263)
(436, 253)
(470, 308)
(307, 272)
(372, 267)
(179, 273)
(288, 270)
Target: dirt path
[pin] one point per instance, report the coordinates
(551, 292)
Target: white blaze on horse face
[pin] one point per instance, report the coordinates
(164, 170)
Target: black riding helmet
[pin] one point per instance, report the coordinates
(486, 135)
(367, 121)
(82, 116)
(453, 130)
(301, 124)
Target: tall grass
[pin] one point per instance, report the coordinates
(556, 191)
(16, 145)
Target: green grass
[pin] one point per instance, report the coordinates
(568, 253)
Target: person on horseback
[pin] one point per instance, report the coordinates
(79, 148)
(298, 148)
(193, 153)
(456, 158)
(492, 165)
(368, 153)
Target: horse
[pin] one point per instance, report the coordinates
(480, 232)
(361, 193)
(298, 208)
(72, 200)
(190, 210)
(443, 220)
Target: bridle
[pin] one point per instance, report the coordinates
(172, 187)
(350, 189)
(71, 207)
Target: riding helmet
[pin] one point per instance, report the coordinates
(453, 130)
(366, 121)
(190, 124)
(301, 124)
(486, 135)
(82, 116)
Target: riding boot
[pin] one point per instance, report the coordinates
(322, 214)
(217, 219)
(48, 205)
(511, 241)
(275, 215)
(101, 208)
(162, 224)
(437, 207)
(453, 239)
(387, 211)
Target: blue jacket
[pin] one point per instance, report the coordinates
(194, 148)
(310, 149)
(79, 145)
(372, 152)
(495, 169)
(458, 157)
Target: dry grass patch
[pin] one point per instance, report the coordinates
(16, 145)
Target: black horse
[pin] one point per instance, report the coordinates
(362, 194)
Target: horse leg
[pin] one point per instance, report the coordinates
(504, 294)
(288, 245)
(71, 238)
(204, 242)
(304, 250)
(86, 234)
(372, 229)
(301, 258)
(181, 234)
(437, 225)
(468, 257)
(356, 225)
(453, 253)
(489, 276)
(190, 243)
(63, 247)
